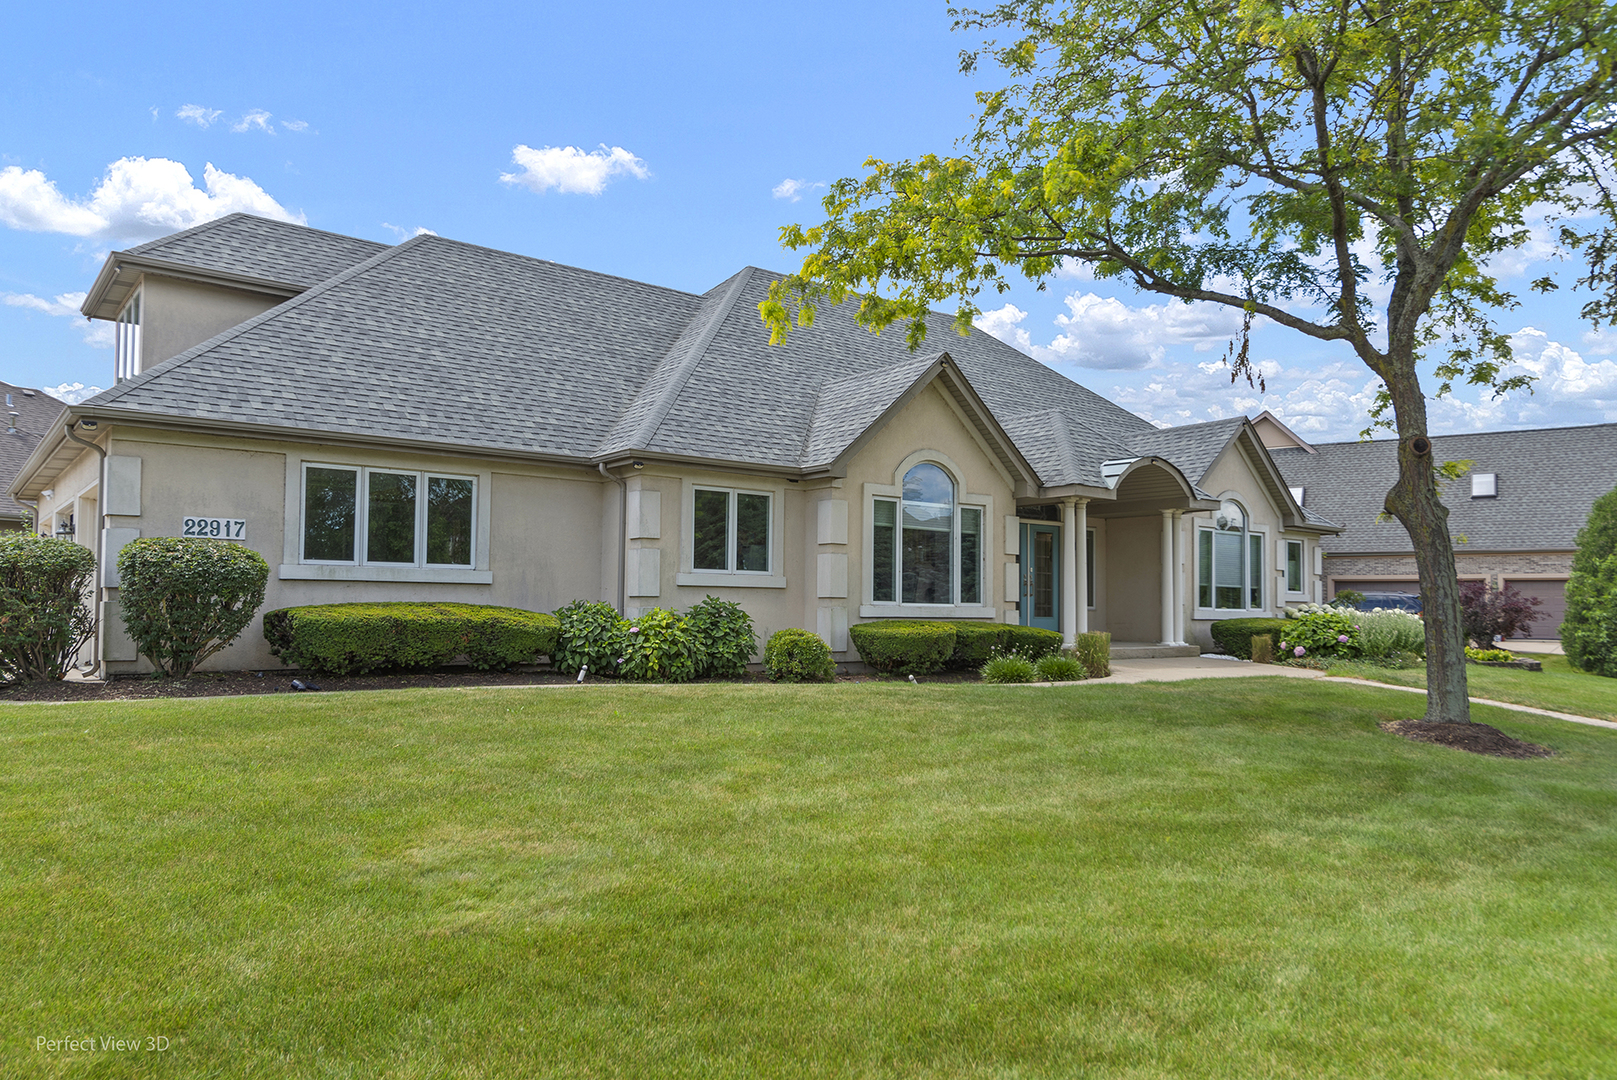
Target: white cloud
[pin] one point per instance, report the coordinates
(1005, 324)
(71, 393)
(404, 234)
(137, 199)
(198, 115)
(295, 125)
(572, 171)
(96, 334)
(794, 190)
(1600, 342)
(254, 118)
(1103, 332)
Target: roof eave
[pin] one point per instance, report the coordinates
(97, 305)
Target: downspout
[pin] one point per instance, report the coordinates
(100, 542)
(623, 534)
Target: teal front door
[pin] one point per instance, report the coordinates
(1041, 575)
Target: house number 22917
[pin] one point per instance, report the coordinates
(216, 528)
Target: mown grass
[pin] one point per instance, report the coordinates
(1559, 687)
(1229, 878)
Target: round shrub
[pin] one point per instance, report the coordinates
(1007, 667)
(1031, 641)
(591, 635)
(351, 639)
(44, 620)
(904, 646)
(1059, 668)
(794, 655)
(657, 647)
(1589, 633)
(183, 599)
(722, 632)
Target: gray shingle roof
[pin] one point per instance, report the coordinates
(438, 341)
(36, 416)
(1548, 479)
(432, 341)
(260, 248)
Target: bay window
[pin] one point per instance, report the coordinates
(361, 516)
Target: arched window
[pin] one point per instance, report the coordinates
(1229, 561)
(927, 548)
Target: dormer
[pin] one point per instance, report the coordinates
(171, 294)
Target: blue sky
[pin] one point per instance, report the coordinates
(652, 141)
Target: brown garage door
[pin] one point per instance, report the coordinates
(1552, 605)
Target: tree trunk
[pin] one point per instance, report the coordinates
(1414, 501)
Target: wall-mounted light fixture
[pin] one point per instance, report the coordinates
(88, 425)
(638, 464)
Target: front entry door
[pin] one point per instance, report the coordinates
(1041, 575)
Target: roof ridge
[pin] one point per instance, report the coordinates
(565, 266)
(686, 365)
(242, 214)
(1473, 434)
(111, 395)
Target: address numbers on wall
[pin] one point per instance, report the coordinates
(216, 528)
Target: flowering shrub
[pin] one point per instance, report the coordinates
(657, 646)
(1007, 667)
(590, 637)
(722, 632)
(1386, 633)
(1323, 633)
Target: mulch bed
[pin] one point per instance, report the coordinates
(233, 683)
(1477, 738)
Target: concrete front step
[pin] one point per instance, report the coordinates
(1140, 650)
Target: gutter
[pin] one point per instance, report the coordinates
(99, 550)
(623, 535)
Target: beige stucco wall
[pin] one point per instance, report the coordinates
(176, 314)
(1133, 578)
(540, 536)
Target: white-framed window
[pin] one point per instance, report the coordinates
(1229, 562)
(126, 339)
(731, 531)
(371, 516)
(927, 546)
(1294, 566)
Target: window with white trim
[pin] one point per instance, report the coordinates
(1294, 566)
(927, 548)
(730, 531)
(1229, 562)
(126, 339)
(358, 516)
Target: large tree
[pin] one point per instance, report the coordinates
(1289, 158)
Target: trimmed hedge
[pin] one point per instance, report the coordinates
(904, 646)
(351, 639)
(922, 646)
(1234, 636)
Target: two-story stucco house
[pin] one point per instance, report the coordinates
(438, 420)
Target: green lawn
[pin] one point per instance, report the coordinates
(1559, 687)
(1230, 878)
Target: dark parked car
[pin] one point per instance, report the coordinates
(1398, 601)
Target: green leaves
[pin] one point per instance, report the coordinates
(43, 617)
(1274, 156)
(185, 599)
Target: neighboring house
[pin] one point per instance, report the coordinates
(29, 414)
(443, 421)
(1514, 518)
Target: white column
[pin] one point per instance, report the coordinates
(1080, 533)
(1178, 578)
(1167, 577)
(1069, 572)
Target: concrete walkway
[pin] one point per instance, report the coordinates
(1178, 669)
